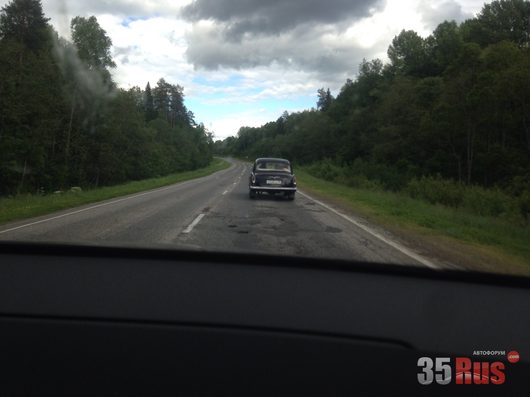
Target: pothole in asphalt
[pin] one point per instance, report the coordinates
(232, 226)
(330, 229)
(243, 231)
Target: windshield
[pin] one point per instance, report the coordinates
(137, 123)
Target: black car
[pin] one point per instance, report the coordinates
(272, 176)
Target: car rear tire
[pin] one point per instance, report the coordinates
(252, 194)
(290, 196)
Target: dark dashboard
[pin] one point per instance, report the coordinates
(78, 320)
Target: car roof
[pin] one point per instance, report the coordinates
(272, 159)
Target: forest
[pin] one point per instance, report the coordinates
(445, 115)
(64, 122)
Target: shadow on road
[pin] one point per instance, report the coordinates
(268, 197)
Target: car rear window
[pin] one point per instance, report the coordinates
(273, 166)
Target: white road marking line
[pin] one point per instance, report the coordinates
(193, 224)
(99, 205)
(393, 244)
(225, 192)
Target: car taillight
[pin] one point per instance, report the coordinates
(294, 180)
(253, 179)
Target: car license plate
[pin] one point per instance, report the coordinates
(273, 182)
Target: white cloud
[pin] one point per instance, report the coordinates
(146, 50)
(435, 13)
(248, 78)
(229, 125)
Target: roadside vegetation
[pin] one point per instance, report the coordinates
(511, 207)
(64, 122)
(439, 133)
(506, 238)
(30, 205)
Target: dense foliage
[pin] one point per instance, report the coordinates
(454, 106)
(63, 122)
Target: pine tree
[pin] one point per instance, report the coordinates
(150, 112)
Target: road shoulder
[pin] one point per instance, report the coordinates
(448, 252)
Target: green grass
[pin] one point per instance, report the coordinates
(400, 210)
(27, 206)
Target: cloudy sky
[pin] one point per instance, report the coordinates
(244, 62)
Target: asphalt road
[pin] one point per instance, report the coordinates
(216, 214)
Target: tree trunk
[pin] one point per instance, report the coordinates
(24, 171)
(526, 132)
(69, 130)
(457, 156)
(525, 124)
(470, 151)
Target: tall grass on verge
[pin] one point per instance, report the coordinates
(509, 204)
